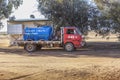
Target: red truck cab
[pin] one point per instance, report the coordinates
(72, 38)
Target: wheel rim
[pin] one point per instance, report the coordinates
(30, 47)
(69, 47)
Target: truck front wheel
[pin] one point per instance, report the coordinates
(69, 47)
(30, 47)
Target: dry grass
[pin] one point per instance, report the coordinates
(90, 73)
(87, 73)
(92, 63)
(91, 37)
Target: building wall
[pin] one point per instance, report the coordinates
(32, 24)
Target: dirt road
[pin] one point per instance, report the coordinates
(90, 63)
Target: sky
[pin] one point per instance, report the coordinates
(28, 8)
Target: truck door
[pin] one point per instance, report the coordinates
(71, 36)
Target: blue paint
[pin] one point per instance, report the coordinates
(39, 33)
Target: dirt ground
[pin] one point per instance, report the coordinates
(97, 61)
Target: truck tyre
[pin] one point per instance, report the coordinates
(30, 47)
(69, 47)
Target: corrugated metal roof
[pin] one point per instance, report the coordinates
(28, 20)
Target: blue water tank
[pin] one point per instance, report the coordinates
(39, 33)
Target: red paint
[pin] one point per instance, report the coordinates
(71, 35)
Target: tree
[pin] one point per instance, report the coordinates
(111, 9)
(66, 12)
(6, 7)
(78, 13)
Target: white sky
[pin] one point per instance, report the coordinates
(26, 9)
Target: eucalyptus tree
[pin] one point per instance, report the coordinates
(111, 9)
(66, 12)
(6, 7)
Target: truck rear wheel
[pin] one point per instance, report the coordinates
(30, 47)
(69, 47)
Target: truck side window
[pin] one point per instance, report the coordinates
(70, 31)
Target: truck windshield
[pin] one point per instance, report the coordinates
(78, 31)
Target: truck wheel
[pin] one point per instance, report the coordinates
(69, 47)
(30, 47)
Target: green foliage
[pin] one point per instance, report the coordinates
(102, 18)
(6, 7)
(66, 12)
(111, 9)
